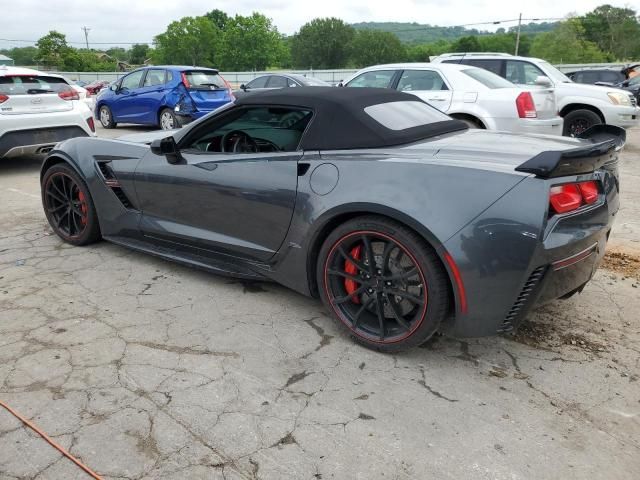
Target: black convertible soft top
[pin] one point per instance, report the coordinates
(340, 121)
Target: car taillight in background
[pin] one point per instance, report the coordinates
(526, 107)
(229, 89)
(185, 82)
(69, 95)
(571, 196)
(92, 125)
(3, 98)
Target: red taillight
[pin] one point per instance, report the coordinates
(185, 82)
(526, 107)
(92, 125)
(3, 98)
(69, 95)
(589, 191)
(571, 196)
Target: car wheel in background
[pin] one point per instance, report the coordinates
(383, 283)
(68, 206)
(168, 120)
(578, 121)
(106, 117)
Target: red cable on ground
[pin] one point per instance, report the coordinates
(47, 439)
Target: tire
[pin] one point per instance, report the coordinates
(470, 123)
(577, 121)
(393, 304)
(106, 117)
(167, 120)
(68, 206)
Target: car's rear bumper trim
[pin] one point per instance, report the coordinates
(573, 259)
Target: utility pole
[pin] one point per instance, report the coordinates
(518, 34)
(87, 29)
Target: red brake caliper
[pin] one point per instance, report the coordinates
(83, 207)
(350, 268)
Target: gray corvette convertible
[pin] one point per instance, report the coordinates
(403, 221)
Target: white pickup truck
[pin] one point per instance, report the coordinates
(581, 106)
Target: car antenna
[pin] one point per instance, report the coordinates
(462, 57)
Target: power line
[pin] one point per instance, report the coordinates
(77, 43)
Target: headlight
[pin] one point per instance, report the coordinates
(619, 98)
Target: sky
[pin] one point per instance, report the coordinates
(140, 20)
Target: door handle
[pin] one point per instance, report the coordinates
(437, 100)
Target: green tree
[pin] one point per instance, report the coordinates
(23, 55)
(118, 53)
(138, 53)
(250, 43)
(218, 18)
(466, 44)
(190, 41)
(51, 47)
(615, 31)
(419, 53)
(322, 43)
(370, 47)
(566, 44)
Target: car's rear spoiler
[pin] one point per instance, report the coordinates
(600, 146)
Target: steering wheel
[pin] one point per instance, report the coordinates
(241, 142)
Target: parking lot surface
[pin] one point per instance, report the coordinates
(146, 369)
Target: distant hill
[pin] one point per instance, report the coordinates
(424, 33)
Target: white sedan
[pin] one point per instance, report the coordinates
(38, 110)
(476, 96)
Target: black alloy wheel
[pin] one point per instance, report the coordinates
(68, 206)
(383, 284)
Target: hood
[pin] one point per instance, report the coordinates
(147, 137)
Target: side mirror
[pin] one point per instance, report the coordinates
(340, 84)
(243, 87)
(543, 81)
(113, 87)
(169, 148)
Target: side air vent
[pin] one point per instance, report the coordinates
(112, 182)
(122, 197)
(513, 317)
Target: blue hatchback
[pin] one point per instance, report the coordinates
(165, 96)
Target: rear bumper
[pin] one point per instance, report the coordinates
(547, 126)
(36, 141)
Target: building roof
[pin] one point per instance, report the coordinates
(4, 57)
(341, 122)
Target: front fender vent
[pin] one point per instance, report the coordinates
(524, 299)
(112, 182)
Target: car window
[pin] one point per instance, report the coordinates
(405, 114)
(494, 66)
(377, 79)
(634, 81)
(612, 77)
(259, 82)
(204, 80)
(522, 73)
(132, 80)
(155, 76)
(31, 84)
(291, 82)
(276, 81)
(269, 129)
(417, 80)
(487, 78)
(169, 76)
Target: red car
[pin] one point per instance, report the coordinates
(94, 87)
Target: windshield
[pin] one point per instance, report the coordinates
(403, 115)
(487, 78)
(554, 74)
(204, 80)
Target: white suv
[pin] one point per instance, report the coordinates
(38, 110)
(581, 106)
